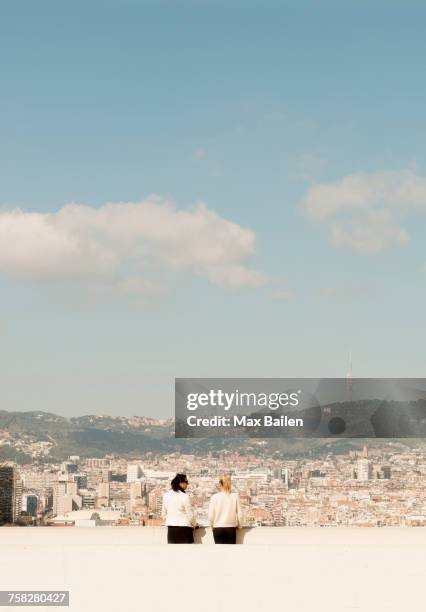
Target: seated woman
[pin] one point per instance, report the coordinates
(225, 513)
(177, 512)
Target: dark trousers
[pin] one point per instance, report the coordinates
(180, 535)
(225, 535)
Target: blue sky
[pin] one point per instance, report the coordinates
(264, 111)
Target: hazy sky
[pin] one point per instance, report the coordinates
(208, 189)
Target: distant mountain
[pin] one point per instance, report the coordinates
(41, 436)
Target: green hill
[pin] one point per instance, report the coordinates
(95, 436)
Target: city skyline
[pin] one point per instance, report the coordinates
(366, 488)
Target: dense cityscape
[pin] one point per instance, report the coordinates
(373, 487)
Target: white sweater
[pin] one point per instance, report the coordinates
(225, 510)
(177, 509)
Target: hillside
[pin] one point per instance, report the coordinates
(42, 436)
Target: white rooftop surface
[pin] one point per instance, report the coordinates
(294, 569)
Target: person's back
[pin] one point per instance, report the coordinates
(225, 513)
(225, 510)
(177, 510)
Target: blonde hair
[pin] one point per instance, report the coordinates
(225, 483)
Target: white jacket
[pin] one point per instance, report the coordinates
(177, 509)
(225, 510)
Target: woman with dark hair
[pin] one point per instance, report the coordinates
(177, 512)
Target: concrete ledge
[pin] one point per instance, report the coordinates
(108, 569)
(141, 536)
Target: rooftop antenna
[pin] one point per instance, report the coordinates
(349, 380)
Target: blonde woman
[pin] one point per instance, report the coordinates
(225, 513)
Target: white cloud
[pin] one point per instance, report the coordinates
(370, 232)
(109, 243)
(365, 211)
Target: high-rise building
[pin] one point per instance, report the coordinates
(135, 490)
(364, 469)
(88, 499)
(19, 488)
(7, 485)
(106, 475)
(134, 472)
(103, 497)
(286, 476)
(67, 467)
(59, 491)
(65, 498)
(156, 500)
(281, 474)
(10, 494)
(137, 498)
(72, 487)
(386, 472)
(81, 480)
(30, 504)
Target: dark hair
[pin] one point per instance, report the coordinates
(177, 480)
